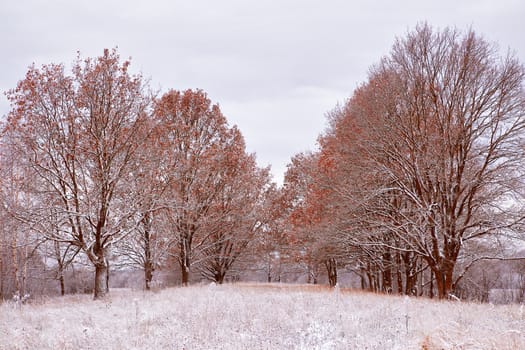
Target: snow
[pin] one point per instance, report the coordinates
(267, 316)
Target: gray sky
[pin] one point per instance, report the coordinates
(275, 67)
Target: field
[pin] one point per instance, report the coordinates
(258, 317)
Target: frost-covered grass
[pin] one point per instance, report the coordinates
(258, 317)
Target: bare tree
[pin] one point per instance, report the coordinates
(236, 217)
(197, 144)
(18, 241)
(311, 213)
(77, 135)
(444, 117)
(148, 245)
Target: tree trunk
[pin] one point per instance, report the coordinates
(371, 286)
(399, 274)
(362, 275)
(15, 266)
(444, 281)
(410, 273)
(279, 270)
(60, 267)
(1, 275)
(101, 273)
(148, 274)
(411, 279)
(431, 287)
(363, 281)
(308, 276)
(185, 261)
(61, 279)
(23, 289)
(421, 279)
(312, 274)
(62, 285)
(369, 275)
(440, 283)
(269, 269)
(148, 254)
(185, 276)
(387, 273)
(331, 267)
(101, 280)
(107, 275)
(449, 282)
(219, 277)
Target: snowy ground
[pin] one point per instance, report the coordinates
(258, 317)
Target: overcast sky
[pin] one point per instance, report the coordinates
(274, 67)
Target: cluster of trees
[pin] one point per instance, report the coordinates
(417, 178)
(419, 175)
(99, 166)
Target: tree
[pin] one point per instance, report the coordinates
(198, 146)
(77, 135)
(270, 247)
(147, 246)
(311, 215)
(346, 176)
(443, 119)
(17, 241)
(236, 215)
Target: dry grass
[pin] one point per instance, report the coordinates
(258, 317)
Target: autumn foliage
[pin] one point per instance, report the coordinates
(417, 177)
(214, 186)
(416, 166)
(109, 169)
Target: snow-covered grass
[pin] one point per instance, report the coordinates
(246, 316)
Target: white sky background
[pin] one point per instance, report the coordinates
(274, 67)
